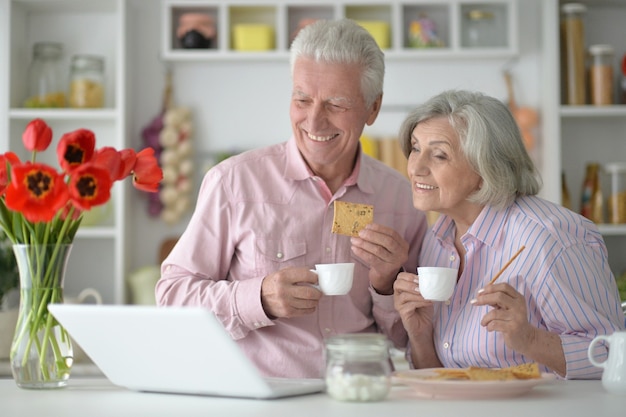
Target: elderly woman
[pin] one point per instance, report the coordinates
(466, 161)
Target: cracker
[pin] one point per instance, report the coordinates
(489, 374)
(350, 218)
(526, 371)
(450, 374)
(474, 373)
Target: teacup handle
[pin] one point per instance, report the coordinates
(316, 286)
(590, 350)
(89, 292)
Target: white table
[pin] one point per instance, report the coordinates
(98, 397)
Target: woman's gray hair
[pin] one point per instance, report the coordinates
(343, 42)
(490, 140)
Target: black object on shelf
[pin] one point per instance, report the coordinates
(194, 40)
(196, 30)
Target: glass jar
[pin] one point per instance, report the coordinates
(87, 81)
(480, 29)
(573, 54)
(601, 74)
(622, 84)
(617, 197)
(591, 197)
(358, 367)
(45, 76)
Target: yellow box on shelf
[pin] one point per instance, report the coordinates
(379, 30)
(369, 146)
(253, 37)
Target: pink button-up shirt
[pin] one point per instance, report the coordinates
(563, 273)
(264, 210)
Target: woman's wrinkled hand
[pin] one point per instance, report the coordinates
(416, 312)
(508, 316)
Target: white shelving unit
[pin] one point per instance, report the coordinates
(570, 136)
(98, 27)
(284, 17)
(581, 134)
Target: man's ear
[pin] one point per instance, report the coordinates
(375, 109)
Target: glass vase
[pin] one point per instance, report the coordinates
(41, 352)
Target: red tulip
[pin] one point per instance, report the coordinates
(76, 148)
(90, 185)
(129, 157)
(37, 136)
(6, 161)
(111, 160)
(37, 191)
(146, 173)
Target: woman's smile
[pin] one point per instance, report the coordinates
(421, 186)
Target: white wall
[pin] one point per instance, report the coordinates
(240, 105)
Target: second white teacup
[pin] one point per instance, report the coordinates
(614, 374)
(334, 279)
(436, 283)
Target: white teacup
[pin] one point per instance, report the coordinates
(614, 374)
(437, 283)
(83, 296)
(334, 279)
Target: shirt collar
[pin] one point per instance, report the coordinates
(297, 169)
(487, 228)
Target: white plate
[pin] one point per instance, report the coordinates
(419, 380)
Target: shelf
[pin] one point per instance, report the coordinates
(593, 111)
(431, 54)
(586, 133)
(612, 229)
(63, 114)
(33, 21)
(94, 27)
(96, 232)
(64, 6)
(390, 24)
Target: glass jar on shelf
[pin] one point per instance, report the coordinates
(358, 367)
(622, 81)
(601, 74)
(573, 54)
(591, 205)
(617, 197)
(480, 29)
(86, 81)
(196, 30)
(46, 86)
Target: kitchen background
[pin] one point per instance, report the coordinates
(239, 100)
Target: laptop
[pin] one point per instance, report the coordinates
(180, 350)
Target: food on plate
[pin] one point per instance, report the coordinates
(350, 218)
(474, 373)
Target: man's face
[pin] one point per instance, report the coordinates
(328, 113)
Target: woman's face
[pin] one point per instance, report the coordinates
(441, 177)
(328, 114)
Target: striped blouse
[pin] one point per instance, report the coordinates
(563, 273)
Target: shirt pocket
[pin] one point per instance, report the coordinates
(274, 254)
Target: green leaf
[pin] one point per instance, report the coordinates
(6, 221)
